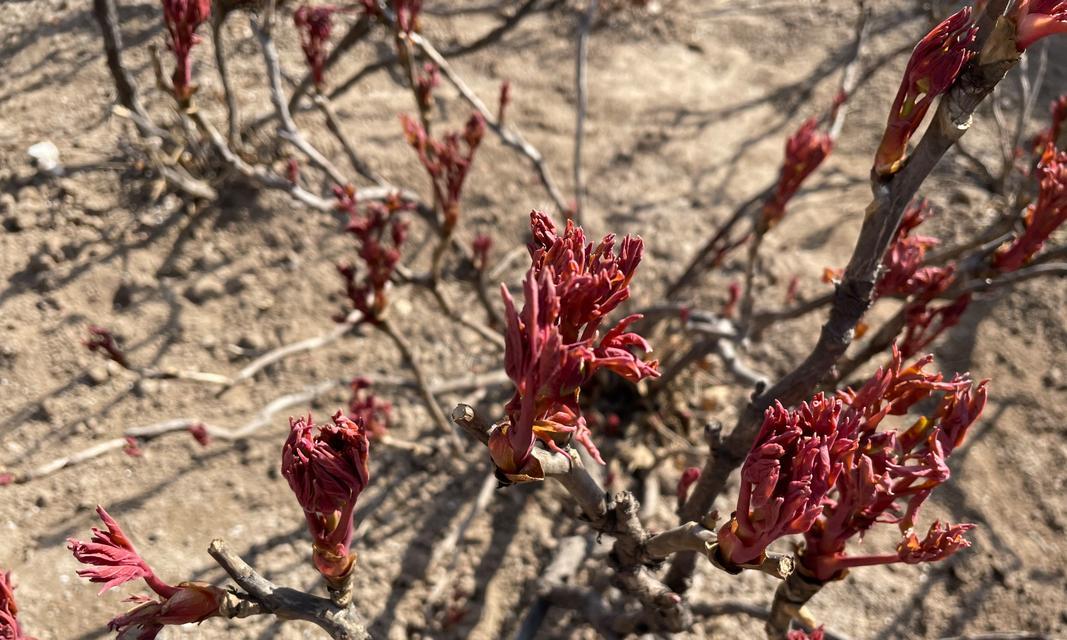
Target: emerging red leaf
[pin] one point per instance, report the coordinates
(182, 18)
(934, 66)
(1036, 19)
(1042, 218)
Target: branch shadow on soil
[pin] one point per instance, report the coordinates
(75, 22)
(416, 558)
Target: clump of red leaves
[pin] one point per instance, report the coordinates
(1036, 19)
(425, 83)
(934, 65)
(112, 561)
(554, 345)
(448, 162)
(102, 340)
(1051, 136)
(380, 234)
(800, 634)
(326, 467)
(367, 409)
(407, 14)
(182, 18)
(904, 272)
(480, 249)
(314, 25)
(887, 474)
(9, 624)
(1042, 217)
(804, 152)
(687, 480)
(792, 465)
(906, 275)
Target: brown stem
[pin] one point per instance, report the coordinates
(233, 120)
(789, 599)
(126, 90)
(635, 550)
(342, 623)
(879, 343)
(507, 134)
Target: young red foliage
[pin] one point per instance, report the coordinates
(687, 479)
(1042, 217)
(800, 634)
(182, 17)
(805, 150)
(785, 477)
(380, 234)
(888, 475)
(480, 248)
(113, 561)
(314, 25)
(9, 623)
(1036, 19)
(365, 408)
(103, 341)
(1051, 136)
(447, 162)
(554, 345)
(934, 65)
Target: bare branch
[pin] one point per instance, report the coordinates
(492, 36)
(126, 89)
(342, 623)
(288, 129)
(425, 390)
(508, 135)
(276, 355)
(218, 21)
(581, 83)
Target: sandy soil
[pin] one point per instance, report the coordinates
(688, 111)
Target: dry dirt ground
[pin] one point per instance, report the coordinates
(688, 111)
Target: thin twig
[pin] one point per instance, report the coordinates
(288, 129)
(581, 87)
(508, 134)
(275, 355)
(342, 623)
(490, 37)
(425, 390)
